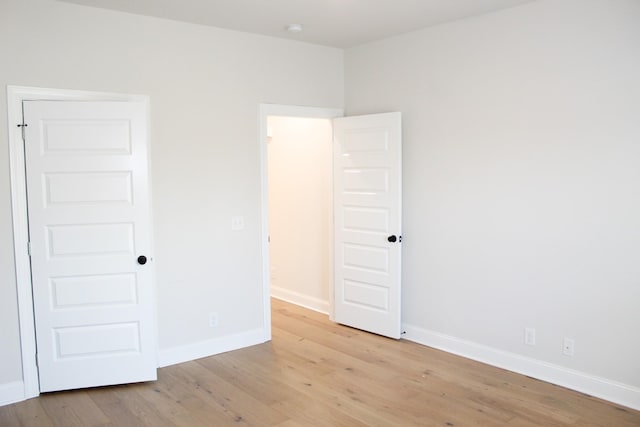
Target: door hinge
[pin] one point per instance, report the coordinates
(22, 127)
(29, 248)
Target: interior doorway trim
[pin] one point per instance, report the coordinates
(266, 110)
(15, 96)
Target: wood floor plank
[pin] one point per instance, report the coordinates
(317, 373)
(8, 417)
(238, 404)
(185, 407)
(123, 404)
(313, 387)
(263, 374)
(72, 408)
(316, 412)
(114, 407)
(30, 413)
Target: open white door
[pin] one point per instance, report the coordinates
(90, 231)
(367, 210)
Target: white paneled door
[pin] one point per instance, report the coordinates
(367, 210)
(90, 240)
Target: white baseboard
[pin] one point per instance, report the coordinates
(175, 355)
(11, 393)
(603, 388)
(302, 300)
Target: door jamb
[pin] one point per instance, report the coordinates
(15, 96)
(264, 111)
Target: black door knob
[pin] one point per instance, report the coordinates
(142, 260)
(392, 238)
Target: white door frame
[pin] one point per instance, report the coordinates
(15, 96)
(266, 110)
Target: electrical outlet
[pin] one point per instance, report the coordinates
(213, 319)
(568, 346)
(529, 336)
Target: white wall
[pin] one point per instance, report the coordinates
(521, 182)
(205, 86)
(300, 210)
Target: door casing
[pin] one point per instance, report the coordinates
(15, 96)
(266, 110)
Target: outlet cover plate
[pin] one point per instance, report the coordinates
(213, 319)
(568, 347)
(529, 336)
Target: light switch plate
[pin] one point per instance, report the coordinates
(237, 223)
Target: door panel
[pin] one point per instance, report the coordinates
(367, 210)
(89, 219)
(82, 188)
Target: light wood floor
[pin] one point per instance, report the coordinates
(315, 373)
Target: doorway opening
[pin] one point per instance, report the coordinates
(365, 285)
(300, 209)
(297, 226)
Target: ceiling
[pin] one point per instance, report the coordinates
(338, 23)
